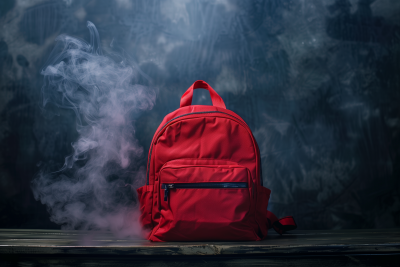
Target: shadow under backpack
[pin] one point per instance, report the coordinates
(204, 177)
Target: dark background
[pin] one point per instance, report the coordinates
(318, 82)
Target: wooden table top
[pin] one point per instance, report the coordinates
(326, 242)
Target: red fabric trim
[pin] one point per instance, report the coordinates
(186, 99)
(281, 225)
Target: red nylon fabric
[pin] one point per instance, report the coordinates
(186, 99)
(205, 214)
(203, 146)
(281, 225)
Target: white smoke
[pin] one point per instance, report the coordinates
(95, 189)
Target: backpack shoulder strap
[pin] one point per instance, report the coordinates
(281, 225)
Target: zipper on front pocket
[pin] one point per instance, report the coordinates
(167, 187)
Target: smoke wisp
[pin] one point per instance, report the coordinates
(95, 189)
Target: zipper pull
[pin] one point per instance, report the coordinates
(166, 192)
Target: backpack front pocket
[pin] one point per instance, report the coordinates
(205, 202)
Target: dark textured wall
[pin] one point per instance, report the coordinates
(318, 82)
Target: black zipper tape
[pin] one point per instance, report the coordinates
(166, 187)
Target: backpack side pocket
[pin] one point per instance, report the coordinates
(263, 194)
(145, 196)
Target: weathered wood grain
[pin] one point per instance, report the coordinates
(197, 261)
(340, 242)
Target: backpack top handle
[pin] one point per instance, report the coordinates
(186, 99)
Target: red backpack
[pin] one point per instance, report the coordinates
(204, 177)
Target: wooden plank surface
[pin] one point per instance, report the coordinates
(339, 242)
(201, 261)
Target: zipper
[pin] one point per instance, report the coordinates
(167, 187)
(192, 113)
